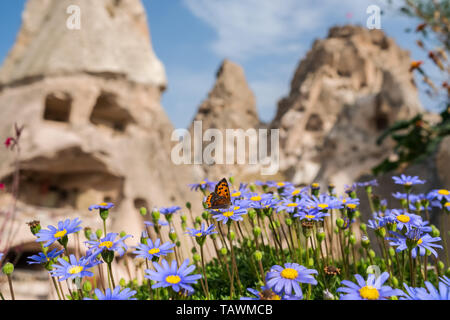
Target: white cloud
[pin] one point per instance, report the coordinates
(247, 28)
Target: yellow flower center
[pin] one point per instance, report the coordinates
(173, 279)
(344, 200)
(256, 198)
(315, 185)
(295, 192)
(198, 234)
(292, 204)
(351, 205)
(280, 184)
(75, 269)
(203, 182)
(107, 244)
(310, 216)
(236, 194)
(447, 204)
(237, 208)
(61, 233)
(444, 192)
(154, 251)
(408, 183)
(322, 205)
(289, 273)
(103, 204)
(228, 213)
(369, 293)
(403, 218)
(420, 241)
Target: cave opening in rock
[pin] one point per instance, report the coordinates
(57, 107)
(108, 113)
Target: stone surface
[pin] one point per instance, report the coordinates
(229, 105)
(443, 161)
(345, 92)
(113, 38)
(94, 130)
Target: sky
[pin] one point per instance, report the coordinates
(267, 38)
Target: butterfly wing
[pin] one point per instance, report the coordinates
(220, 198)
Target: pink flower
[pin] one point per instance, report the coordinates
(8, 142)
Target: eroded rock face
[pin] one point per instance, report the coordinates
(230, 105)
(350, 87)
(94, 128)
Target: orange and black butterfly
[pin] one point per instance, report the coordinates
(220, 198)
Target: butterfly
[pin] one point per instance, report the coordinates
(220, 198)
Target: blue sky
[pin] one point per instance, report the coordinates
(268, 38)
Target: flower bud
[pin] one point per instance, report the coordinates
(155, 215)
(391, 252)
(311, 262)
(258, 255)
(320, 236)
(435, 232)
(88, 233)
(371, 253)
(35, 226)
(381, 232)
(336, 230)
(327, 295)
(87, 286)
(340, 222)
(395, 281)
(252, 188)
(365, 242)
(143, 211)
(363, 227)
(288, 222)
(8, 268)
(198, 219)
(122, 234)
(99, 233)
(256, 231)
(231, 235)
(205, 215)
(178, 243)
(197, 257)
(231, 179)
(223, 251)
(172, 235)
(251, 213)
(440, 265)
(352, 239)
(122, 282)
(188, 205)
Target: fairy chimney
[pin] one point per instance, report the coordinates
(348, 89)
(94, 129)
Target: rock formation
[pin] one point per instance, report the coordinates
(230, 105)
(94, 127)
(350, 87)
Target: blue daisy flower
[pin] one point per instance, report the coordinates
(416, 240)
(403, 219)
(311, 215)
(169, 210)
(202, 232)
(160, 222)
(289, 205)
(42, 258)
(440, 195)
(116, 294)
(102, 206)
(407, 180)
(372, 289)
(371, 183)
(291, 192)
(233, 213)
(156, 249)
(73, 268)
(107, 243)
(323, 202)
(53, 234)
(203, 185)
(432, 293)
(171, 276)
(267, 294)
(258, 200)
(284, 280)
